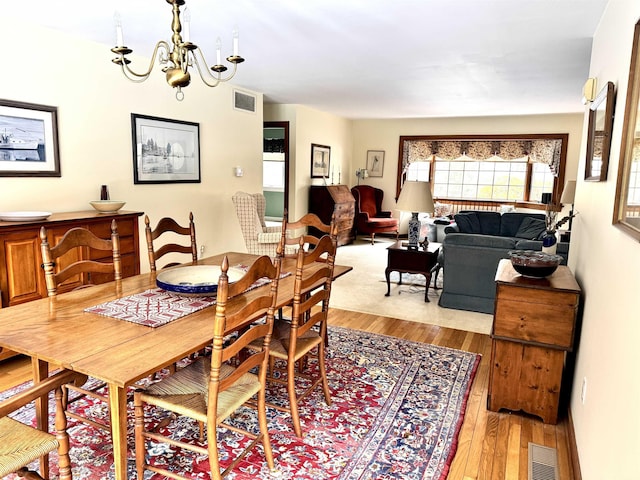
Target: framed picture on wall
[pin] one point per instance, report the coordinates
(375, 162)
(320, 160)
(28, 140)
(165, 151)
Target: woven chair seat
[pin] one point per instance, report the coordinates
(279, 345)
(186, 391)
(21, 445)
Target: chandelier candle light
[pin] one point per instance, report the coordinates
(177, 59)
(415, 197)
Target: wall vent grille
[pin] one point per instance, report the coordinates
(244, 101)
(543, 462)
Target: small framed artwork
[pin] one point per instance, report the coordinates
(28, 140)
(375, 162)
(165, 151)
(320, 160)
(599, 134)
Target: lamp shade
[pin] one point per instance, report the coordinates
(569, 192)
(415, 197)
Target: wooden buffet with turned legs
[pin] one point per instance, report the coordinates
(533, 329)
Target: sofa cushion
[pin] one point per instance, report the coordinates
(468, 222)
(478, 240)
(489, 222)
(531, 228)
(511, 222)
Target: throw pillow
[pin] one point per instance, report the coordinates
(531, 228)
(468, 222)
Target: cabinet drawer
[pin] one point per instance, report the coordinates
(537, 323)
(103, 230)
(535, 295)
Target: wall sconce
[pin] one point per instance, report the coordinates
(589, 90)
(237, 171)
(362, 173)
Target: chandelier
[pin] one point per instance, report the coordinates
(178, 58)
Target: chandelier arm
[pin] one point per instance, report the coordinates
(141, 77)
(208, 77)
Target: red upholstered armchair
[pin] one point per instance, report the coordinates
(370, 218)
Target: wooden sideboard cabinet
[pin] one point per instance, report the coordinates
(533, 329)
(325, 199)
(21, 274)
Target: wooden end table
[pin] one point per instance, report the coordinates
(404, 260)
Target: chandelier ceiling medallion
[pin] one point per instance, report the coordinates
(176, 59)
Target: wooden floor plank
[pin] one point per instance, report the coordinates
(526, 436)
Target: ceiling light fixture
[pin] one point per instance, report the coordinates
(177, 60)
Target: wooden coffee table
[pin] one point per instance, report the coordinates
(403, 260)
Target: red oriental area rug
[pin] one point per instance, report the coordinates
(396, 412)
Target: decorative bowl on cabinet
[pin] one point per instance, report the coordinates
(107, 206)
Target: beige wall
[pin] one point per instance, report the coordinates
(607, 265)
(95, 103)
(307, 126)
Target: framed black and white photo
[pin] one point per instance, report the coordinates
(320, 160)
(28, 140)
(165, 151)
(375, 162)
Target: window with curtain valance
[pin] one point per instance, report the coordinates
(526, 151)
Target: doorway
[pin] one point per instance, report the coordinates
(275, 169)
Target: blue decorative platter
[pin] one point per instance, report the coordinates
(195, 279)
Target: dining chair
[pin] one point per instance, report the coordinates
(167, 225)
(258, 237)
(71, 259)
(21, 444)
(309, 227)
(74, 258)
(296, 340)
(212, 388)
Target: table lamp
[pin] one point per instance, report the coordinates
(362, 173)
(568, 196)
(415, 197)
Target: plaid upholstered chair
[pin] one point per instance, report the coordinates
(259, 239)
(21, 444)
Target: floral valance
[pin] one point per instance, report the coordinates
(545, 150)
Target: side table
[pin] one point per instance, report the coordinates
(533, 329)
(403, 260)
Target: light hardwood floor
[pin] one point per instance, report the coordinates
(492, 446)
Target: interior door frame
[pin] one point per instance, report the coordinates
(285, 126)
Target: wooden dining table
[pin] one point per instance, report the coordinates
(57, 332)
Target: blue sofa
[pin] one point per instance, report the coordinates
(472, 249)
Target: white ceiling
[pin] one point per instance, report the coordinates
(371, 58)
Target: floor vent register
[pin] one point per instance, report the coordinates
(543, 463)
